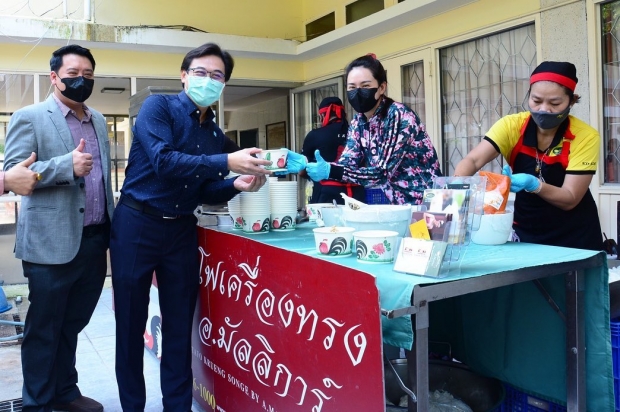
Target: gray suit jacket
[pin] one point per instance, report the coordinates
(50, 222)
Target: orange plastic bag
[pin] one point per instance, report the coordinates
(497, 192)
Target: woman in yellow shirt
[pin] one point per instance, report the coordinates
(552, 157)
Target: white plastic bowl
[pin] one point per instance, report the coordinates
(379, 217)
(494, 229)
(332, 215)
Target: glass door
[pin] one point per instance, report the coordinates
(119, 133)
(305, 102)
(412, 84)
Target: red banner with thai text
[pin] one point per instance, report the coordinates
(280, 331)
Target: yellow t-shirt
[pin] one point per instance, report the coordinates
(584, 148)
(575, 151)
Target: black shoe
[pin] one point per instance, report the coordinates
(80, 404)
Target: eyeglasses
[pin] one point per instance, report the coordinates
(202, 72)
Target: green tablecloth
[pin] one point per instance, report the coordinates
(510, 333)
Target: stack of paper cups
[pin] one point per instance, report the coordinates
(234, 208)
(255, 210)
(283, 196)
(234, 205)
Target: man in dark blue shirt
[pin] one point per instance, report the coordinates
(176, 162)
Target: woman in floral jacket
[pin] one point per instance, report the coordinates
(387, 144)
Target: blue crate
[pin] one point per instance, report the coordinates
(617, 393)
(376, 197)
(517, 401)
(614, 326)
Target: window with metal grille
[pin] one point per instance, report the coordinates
(413, 91)
(483, 80)
(610, 30)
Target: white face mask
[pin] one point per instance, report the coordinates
(204, 91)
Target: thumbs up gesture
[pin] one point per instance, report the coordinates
(19, 179)
(320, 170)
(82, 162)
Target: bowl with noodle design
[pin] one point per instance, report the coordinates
(256, 223)
(375, 246)
(334, 241)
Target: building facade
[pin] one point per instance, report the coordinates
(461, 64)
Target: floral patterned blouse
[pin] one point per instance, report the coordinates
(393, 153)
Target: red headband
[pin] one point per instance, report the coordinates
(327, 112)
(554, 77)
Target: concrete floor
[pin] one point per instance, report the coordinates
(10, 267)
(95, 360)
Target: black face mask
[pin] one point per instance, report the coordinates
(362, 100)
(77, 89)
(546, 120)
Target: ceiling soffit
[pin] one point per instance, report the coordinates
(56, 33)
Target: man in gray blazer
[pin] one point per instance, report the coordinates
(63, 228)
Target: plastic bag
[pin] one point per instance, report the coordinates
(497, 192)
(439, 401)
(442, 401)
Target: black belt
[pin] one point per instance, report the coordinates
(144, 208)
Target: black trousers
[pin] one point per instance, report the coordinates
(62, 300)
(140, 245)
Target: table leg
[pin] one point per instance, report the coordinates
(418, 362)
(411, 375)
(575, 343)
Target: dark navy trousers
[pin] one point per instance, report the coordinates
(141, 244)
(62, 299)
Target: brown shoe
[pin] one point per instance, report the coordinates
(80, 404)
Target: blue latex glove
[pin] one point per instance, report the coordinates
(320, 170)
(295, 163)
(521, 181)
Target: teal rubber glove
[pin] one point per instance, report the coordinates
(320, 170)
(521, 181)
(295, 163)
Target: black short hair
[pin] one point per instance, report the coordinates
(56, 60)
(210, 49)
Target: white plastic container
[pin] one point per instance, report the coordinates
(494, 229)
(332, 215)
(379, 217)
